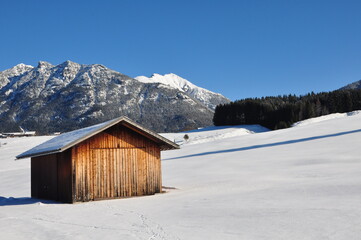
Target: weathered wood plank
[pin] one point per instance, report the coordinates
(116, 163)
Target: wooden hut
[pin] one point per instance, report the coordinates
(114, 159)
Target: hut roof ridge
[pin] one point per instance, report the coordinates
(69, 139)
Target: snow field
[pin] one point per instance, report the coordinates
(298, 183)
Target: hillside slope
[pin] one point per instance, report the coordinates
(354, 85)
(298, 183)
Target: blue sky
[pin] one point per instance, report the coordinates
(237, 48)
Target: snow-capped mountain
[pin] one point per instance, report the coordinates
(206, 97)
(13, 72)
(51, 98)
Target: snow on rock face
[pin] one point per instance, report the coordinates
(52, 98)
(208, 98)
(7, 75)
(354, 85)
(170, 79)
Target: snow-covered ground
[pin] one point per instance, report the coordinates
(298, 183)
(209, 134)
(326, 117)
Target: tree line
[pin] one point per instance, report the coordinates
(282, 111)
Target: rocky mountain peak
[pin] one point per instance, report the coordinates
(206, 97)
(8, 75)
(43, 64)
(69, 64)
(354, 85)
(21, 68)
(17, 70)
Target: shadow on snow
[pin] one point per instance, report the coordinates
(267, 144)
(11, 201)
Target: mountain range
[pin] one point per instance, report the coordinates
(57, 98)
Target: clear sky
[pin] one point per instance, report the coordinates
(238, 48)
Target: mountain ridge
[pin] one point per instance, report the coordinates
(52, 98)
(353, 85)
(206, 97)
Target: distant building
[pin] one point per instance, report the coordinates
(19, 134)
(114, 159)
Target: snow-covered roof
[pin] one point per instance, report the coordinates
(69, 139)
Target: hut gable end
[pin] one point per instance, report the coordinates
(116, 163)
(118, 136)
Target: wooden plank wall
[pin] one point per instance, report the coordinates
(116, 163)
